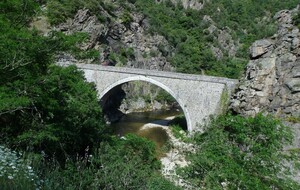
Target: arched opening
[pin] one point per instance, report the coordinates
(109, 99)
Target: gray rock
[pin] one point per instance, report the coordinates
(296, 72)
(217, 52)
(271, 82)
(157, 106)
(187, 4)
(294, 85)
(260, 47)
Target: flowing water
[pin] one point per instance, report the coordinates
(134, 122)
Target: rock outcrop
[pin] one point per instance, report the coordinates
(225, 44)
(271, 82)
(188, 4)
(120, 41)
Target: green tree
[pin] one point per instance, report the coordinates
(243, 153)
(42, 107)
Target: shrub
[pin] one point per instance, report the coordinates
(63, 119)
(122, 163)
(243, 153)
(296, 19)
(15, 172)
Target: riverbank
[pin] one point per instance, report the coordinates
(175, 157)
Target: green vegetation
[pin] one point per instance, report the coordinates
(243, 153)
(179, 129)
(179, 121)
(164, 96)
(71, 44)
(188, 34)
(41, 103)
(15, 172)
(59, 11)
(178, 132)
(127, 163)
(296, 19)
(52, 116)
(293, 119)
(224, 102)
(52, 133)
(187, 31)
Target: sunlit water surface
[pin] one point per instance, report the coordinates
(133, 122)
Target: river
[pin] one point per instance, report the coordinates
(135, 122)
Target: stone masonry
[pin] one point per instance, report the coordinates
(199, 96)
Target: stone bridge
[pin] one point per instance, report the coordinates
(199, 96)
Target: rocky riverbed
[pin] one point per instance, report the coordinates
(175, 157)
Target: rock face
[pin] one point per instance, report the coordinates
(271, 82)
(188, 4)
(224, 41)
(119, 41)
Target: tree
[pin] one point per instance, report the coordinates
(42, 107)
(242, 153)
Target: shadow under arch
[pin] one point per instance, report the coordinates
(152, 81)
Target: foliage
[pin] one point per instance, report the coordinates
(293, 119)
(185, 30)
(15, 172)
(121, 163)
(70, 44)
(164, 96)
(63, 119)
(179, 121)
(59, 11)
(296, 19)
(242, 153)
(126, 18)
(127, 163)
(178, 126)
(158, 182)
(179, 133)
(19, 13)
(43, 107)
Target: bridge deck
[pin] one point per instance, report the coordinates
(164, 74)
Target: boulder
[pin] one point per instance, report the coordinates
(259, 48)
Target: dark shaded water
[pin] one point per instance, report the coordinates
(133, 122)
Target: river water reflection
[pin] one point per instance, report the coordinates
(133, 123)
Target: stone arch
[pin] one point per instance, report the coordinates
(152, 81)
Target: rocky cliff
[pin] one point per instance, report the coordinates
(188, 4)
(271, 82)
(120, 39)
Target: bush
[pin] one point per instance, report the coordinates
(125, 163)
(164, 96)
(64, 117)
(296, 19)
(179, 121)
(159, 182)
(243, 153)
(15, 172)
